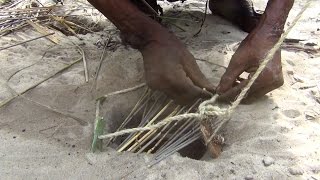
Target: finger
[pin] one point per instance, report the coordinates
(194, 73)
(233, 93)
(230, 76)
(257, 90)
(182, 89)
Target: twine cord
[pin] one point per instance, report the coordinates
(207, 109)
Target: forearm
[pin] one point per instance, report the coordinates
(275, 16)
(130, 20)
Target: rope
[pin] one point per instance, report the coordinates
(268, 58)
(152, 127)
(206, 109)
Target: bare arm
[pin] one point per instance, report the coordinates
(169, 66)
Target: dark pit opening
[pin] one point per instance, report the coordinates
(158, 142)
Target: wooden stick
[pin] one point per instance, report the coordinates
(94, 84)
(153, 110)
(135, 110)
(151, 122)
(186, 125)
(182, 145)
(40, 82)
(163, 132)
(26, 41)
(150, 8)
(123, 91)
(144, 122)
(86, 74)
(150, 133)
(98, 129)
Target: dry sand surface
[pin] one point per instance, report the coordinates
(46, 132)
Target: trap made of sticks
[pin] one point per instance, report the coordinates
(161, 130)
(188, 137)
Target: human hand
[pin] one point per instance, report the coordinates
(247, 59)
(171, 68)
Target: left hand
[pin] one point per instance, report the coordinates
(247, 59)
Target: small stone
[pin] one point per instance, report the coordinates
(290, 72)
(249, 177)
(296, 171)
(315, 169)
(267, 161)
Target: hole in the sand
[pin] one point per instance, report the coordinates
(162, 142)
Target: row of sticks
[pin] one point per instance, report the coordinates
(165, 141)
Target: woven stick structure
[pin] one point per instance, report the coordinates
(154, 135)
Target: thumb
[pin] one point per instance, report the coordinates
(230, 76)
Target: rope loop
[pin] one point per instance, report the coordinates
(210, 110)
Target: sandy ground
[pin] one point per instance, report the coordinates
(46, 132)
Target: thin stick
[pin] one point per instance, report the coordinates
(40, 82)
(151, 122)
(186, 143)
(98, 129)
(123, 91)
(84, 62)
(163, 132)
(178, 141)
(169, 130)
(74, 24)
(175, 137)
(177, 26)
(82, 122)
(150, 8)
(181, 129)
(203, 20)
(146, 122)
(27, 10)
(150, 133)
(182, 140)
(178, 118)
(94, 84)
(153, 110)
(135, 109)
(133, 112)
(26, 41)
(142, 140)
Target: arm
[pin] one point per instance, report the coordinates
(169, 66)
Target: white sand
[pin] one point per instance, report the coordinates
(277, 137)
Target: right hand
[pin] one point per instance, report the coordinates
(171, 68)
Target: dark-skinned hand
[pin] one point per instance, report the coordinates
(171, 68)
(247, 59)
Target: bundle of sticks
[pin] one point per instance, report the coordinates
(153, 107)
(43, 18)
(13, 19)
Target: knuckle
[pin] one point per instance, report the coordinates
(153, 82)
(278, 82)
